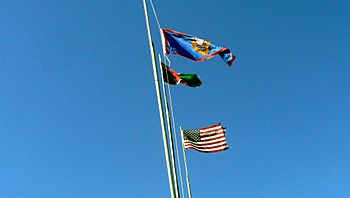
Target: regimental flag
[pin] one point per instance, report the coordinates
(194, 48)
(172, 77)
(208, 140)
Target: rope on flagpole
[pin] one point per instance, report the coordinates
(155, 13)
(171, 142)
(174, 129)
(189, 191)
(159, 98)
(171, 107)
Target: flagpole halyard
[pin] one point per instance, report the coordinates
(189, 191)
(160, 106)
(170, 132)
(171, 119)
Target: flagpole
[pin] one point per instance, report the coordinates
(185, 162)
(160, 106)
(170, 131)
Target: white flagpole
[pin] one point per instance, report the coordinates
(170, 131)
(185, 162)
(160, 106)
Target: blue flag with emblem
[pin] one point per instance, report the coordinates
(193, 47)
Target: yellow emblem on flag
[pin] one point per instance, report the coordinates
(201, 46)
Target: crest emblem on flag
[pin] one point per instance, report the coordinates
(193, 47)
(201, 46)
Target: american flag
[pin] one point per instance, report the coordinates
(208, 140)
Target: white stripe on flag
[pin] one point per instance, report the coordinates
(212, 149)
(206, 142)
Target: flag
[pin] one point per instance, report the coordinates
(172, 77)
(193, 48)
(208, 140)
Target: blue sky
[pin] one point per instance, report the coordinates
(78, 111)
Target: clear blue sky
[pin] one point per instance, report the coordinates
(78, 111)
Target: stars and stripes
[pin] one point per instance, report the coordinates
(208, 140)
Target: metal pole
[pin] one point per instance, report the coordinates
(160, 106)
(185, 162)
(170, 132)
